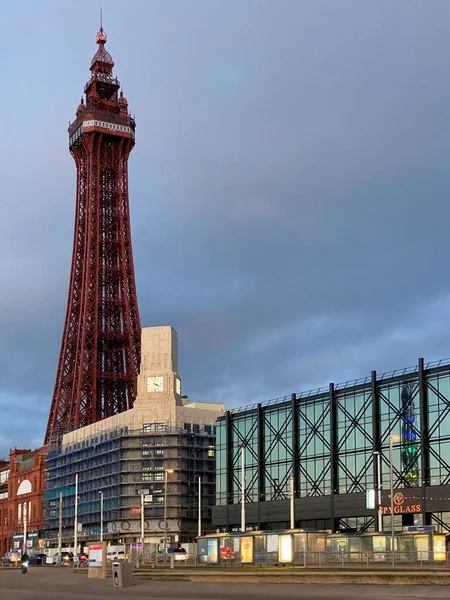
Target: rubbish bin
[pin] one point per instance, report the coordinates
(123, 574)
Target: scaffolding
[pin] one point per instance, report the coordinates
(120, 463)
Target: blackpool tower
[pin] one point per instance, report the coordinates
(100, 350)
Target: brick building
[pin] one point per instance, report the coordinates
(21, 494)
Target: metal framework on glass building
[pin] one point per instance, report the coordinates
(328, 440)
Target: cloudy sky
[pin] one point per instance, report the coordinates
(289, 188)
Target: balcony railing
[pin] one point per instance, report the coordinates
(104, 77)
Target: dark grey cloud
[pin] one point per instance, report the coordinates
(289, 188)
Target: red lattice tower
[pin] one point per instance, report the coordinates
(100, 351)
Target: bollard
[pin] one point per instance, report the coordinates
(172, 561)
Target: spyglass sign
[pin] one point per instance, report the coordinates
(402, 505)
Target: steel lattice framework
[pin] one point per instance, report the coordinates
(328, 440)
(100, 351)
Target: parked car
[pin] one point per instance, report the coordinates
(227, 553)
(115, 555)
(38, 559)
(179, 554)
(65, 559)
(11, 557)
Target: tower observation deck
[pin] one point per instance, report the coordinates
(100, 350)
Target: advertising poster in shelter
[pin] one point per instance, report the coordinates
(212, 551)
(439, 547)
(247, 549)
(285, 542)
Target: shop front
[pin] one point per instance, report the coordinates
(34, 542)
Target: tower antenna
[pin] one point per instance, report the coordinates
(101, 18)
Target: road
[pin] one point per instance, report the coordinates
(57, 584)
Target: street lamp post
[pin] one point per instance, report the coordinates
(292, 500)
(24, 527)
(199, 506)
(75, 521)
(60, 525)
(392, 440)
(242, 447)
(166, 473)
(379, 486)
(142, 525)
(101, 516)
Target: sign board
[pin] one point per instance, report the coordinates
(420, 528)
(148, 498)
(30, 535)
(95, 555)
(97, 560)
(401, 505)
(142, 492)
(370, 498)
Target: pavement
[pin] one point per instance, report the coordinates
(57, 584)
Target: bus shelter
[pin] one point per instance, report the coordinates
(302, 547)
(260, 547)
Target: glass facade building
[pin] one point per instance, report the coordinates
(327, 439)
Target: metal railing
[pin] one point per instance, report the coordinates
(332, 560)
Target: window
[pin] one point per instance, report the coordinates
(160, 426)
(211, 452)
(208, 429)
(187, 427)
(159, 499)
(196, 428)
(159, 476)
(159, 452)
(147, 476)
(149, 427)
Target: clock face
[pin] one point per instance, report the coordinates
(155, 384)
(178, 386)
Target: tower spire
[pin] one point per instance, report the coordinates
(100, 349)
(101, 35)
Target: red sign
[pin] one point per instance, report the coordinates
(400, 507)
(135, 511)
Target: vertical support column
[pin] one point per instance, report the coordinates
(333, 454)
(376, 446)
(424, 446)
(261, 461)
(295, 447)
(229, 463)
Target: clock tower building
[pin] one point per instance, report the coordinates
(159, 383)
(163, 445)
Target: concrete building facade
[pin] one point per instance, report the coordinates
(164, 440)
